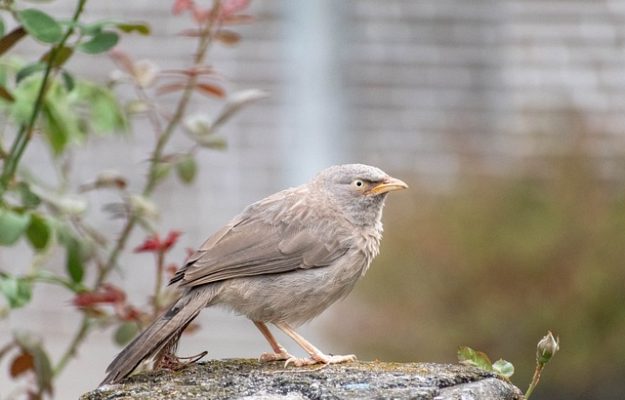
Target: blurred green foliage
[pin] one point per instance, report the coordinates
(496, 261)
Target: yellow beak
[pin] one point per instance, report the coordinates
(388, 185)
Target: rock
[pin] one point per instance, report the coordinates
(251, 380)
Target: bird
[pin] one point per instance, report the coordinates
(282, 261)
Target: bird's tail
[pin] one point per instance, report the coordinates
(158, 334)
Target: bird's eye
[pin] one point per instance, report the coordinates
(358, 183)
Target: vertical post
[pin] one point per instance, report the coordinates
(312, 134)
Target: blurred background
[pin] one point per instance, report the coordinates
(507, 119)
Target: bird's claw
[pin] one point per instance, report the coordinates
(319, 359)
(268, 357)
(175, 363)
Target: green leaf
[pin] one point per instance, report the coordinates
(61, 121)
(43, 368)
(17, 291)
(25, 94)
(38, 232)
(62, 55)
(162, 171)
(139, 27)
(186, 169)
(29, 199)
(12, 225)
(40, 25)
(55, 133)
(3, 74)
(503, 368)
(125, 333)
(468, 356)
(2, 29)
(92, 28)
(105, 114)
(211, 141)
(99, 43)
(29, 70)
(68, 81)
(74, 260)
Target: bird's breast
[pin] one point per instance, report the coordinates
(297, 296)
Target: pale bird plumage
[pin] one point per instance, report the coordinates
(283, 260)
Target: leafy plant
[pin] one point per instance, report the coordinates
(546, 348)
(43, 100)
(469, 356)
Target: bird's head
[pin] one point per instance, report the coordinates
(358, 190)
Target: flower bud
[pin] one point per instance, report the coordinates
(547, 347)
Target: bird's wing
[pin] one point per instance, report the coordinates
(251, 246)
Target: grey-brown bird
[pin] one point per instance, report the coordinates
(283, 261)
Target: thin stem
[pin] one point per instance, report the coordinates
(153, 115)
(535, 380)
(77, 340)
(9, 164)
(204, 44)
(26, 131)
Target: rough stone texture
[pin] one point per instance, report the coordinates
(250, 380)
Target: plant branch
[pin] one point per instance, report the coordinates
(204, 43)
(25, 132)
(79, 337)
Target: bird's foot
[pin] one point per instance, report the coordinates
(175, 363)
(268, 357)
(320, 359)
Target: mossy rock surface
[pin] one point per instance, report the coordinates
(251, 380)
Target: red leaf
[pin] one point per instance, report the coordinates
(200, 15)
(154, 243)
(192, 71)
(21, 364)
(151, 243)
(181, 5)
(170, 241)
(129, 313)
(191, 33)
(107, 294)
(228, 37)
(237, 19)
(123, 60)
(170, 88)
(11, 38)
(210, 90)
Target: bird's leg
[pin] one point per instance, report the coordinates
(316, 356)
(279, 352)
